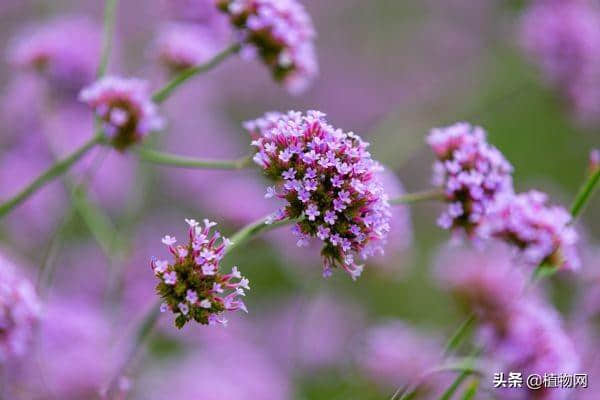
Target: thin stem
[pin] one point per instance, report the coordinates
(471, 390)
(164, 93)
(107, 35)
(409, 198)
(585, 193)
(460, 333)
(253, 229)
(57, 169)
(157, 157)
(464, 366)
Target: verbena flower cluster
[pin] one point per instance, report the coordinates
(563, 38)
(472, 173)
(281, 33)
(543, 233)
(125, 108)
(518, 329)
(19, 312)
(183, 45)
(193, 286)
(50, 49)
(327, 177)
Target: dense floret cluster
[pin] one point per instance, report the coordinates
(472, 173)
(193, 286)
(327, 177)
(281, 33)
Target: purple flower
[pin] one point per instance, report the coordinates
(49, 48)
(184, 45)
(125, 107)
(193, 286)
(473, 174)
(281, 33)
(19, 312)
(396, 354)
(518, 330)
(563, 39)
(361, 216)
(542, 233)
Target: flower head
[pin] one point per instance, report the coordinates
(563, 39)
(334, 187)
(541, 232)
(281, 33)
(19, 311)
(193, 286)
(183, 45)
(49, 48)
(125, 108)
(473, 174)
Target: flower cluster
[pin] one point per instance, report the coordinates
(518, 329)
(49, 48)
(281, 33)
(563, 38)
(125, 107)
(327, 177)
(541, 232)
(472, 173)
(193, 286)
(184, 45)
(19, 312)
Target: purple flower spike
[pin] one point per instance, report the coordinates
(125, 107)
(279, 32)
(19, 311)
(50, 49)
(473, 174)
(193, 286)
(335, 186)
(541, 232)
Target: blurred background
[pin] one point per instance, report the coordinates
(389, 71)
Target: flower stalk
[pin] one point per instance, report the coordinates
(57, 169)
(172, 160)
(425, 195)
(163, 94)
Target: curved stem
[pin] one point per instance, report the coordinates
(157, 157)
(585, 193)
(107, 35)
(164, 93)
(253, 229)
(425, 195)
(57, 169)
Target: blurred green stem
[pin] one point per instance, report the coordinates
(173, 160)
(57, 169)
(459, 335)
(585, 193)
(425, 195)
(164, 93)
(110, 7)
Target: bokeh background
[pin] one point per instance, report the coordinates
(390, 71)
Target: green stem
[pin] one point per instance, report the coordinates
(447, 395)
(164, 93)
(253, 229)
(464, 366)
(177, 161)
(57, 169)
(460, 333)
(471, 390)
(585, 193)
(107, 35)
(433, 194)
